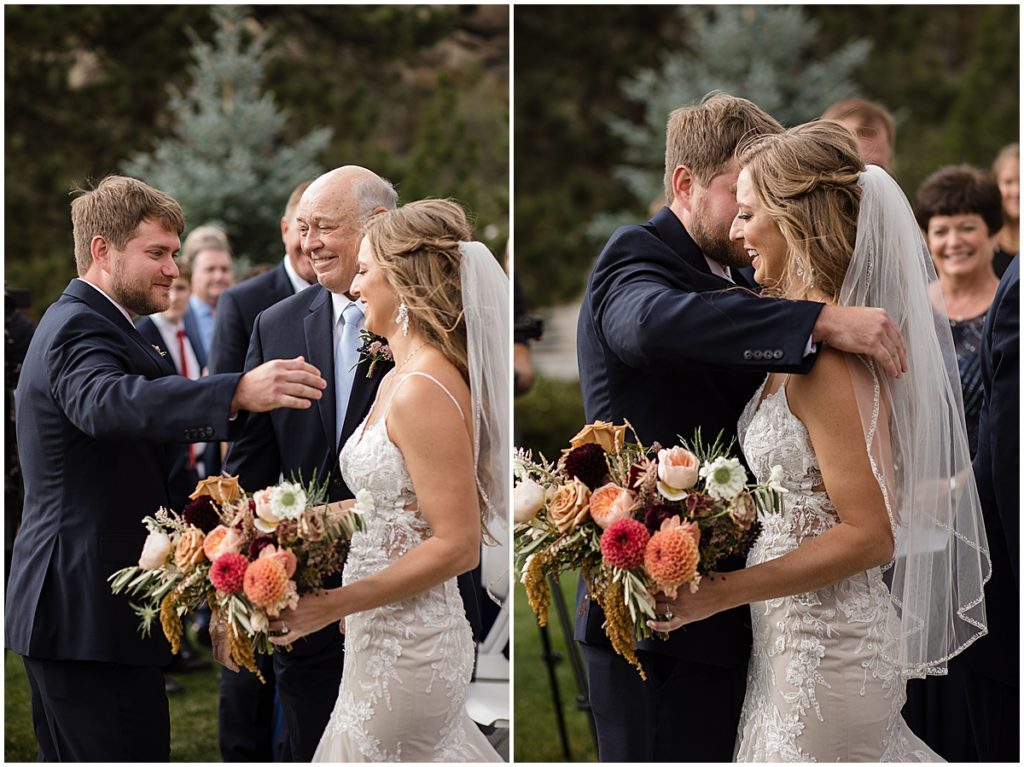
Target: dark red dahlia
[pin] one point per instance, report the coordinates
(258, 544)
(202, 513)
(624, 542)
(658, 514)
(587, 463)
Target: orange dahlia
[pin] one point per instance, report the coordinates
(266, 582)
(671, 558)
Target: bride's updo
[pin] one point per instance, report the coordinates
(417, 246)
(807, 180)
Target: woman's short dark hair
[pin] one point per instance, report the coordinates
(959, 189)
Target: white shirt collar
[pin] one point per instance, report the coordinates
(298, 283)
(120, 308)
(722, 271)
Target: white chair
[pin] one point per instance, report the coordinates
(489, 703)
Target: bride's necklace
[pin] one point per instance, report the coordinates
(413, 354)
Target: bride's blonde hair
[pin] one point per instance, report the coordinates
(417, 247)
(807, 180)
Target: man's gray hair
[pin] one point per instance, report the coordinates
(372, 193)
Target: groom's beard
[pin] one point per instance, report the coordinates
(716, 245)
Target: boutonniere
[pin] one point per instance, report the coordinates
(375, 349)
(158, 350)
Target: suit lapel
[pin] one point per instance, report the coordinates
(363, 391)
(319, 332)
(672, 232)
(98, 302)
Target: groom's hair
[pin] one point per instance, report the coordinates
(704, 137)
(114, 209)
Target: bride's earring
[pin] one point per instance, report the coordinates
(805, 276)
(403, 318)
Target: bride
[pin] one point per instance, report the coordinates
(433, 454)
(873, 573)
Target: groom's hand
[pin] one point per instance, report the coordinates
(278, 383)
(863, 330)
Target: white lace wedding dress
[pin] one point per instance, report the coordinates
(407, 665)
(818, 687)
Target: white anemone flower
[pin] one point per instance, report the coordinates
(288, 501)
(724, 478)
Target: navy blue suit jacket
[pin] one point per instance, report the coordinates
(670, 346)
(237, 309)
(997, 472)
(96, 405)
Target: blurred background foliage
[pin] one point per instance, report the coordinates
(585, 104)
(418, 94)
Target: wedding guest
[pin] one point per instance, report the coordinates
(991, 669)
(960, 211)
(207, 254)
(872, 124)
(247, 706)
(1006, 169)
(96, 406)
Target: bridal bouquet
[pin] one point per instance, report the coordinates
(633, 520)
(248, 556)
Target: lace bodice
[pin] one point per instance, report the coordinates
(818, 687)
(407, 664)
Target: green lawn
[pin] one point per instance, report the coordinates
(536, 729)
(193, 715)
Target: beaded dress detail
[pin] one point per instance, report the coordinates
(818, 685)
(408, 664)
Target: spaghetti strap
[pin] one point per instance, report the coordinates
(387, 407)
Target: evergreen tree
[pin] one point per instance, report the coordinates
(762, 53)
(225, 160)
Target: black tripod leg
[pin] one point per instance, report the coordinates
(550, 659)
(578, 669)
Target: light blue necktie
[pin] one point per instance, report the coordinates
(346, 358)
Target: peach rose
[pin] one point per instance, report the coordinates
(221, 489)
(527, 500)
(266, 520)
(221, 540)
(569, 505)
(610, 503)
(678, 469)
(189, 551)
(609, 436)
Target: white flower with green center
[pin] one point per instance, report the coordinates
(287, 501)
(724, 478)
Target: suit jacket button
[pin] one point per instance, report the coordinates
(758, 354)
(209, 431)
(336, 481)
(778, 354)
(746, 354)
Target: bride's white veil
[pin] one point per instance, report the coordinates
(917, 442)
(485, 301)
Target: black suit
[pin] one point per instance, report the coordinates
(181, 480)
(96, 405)
(664, 343)
(293, 443)
(246, 710)
(992, 664)
(237, 309)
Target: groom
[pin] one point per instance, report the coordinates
(98, 408)
(667, 341)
